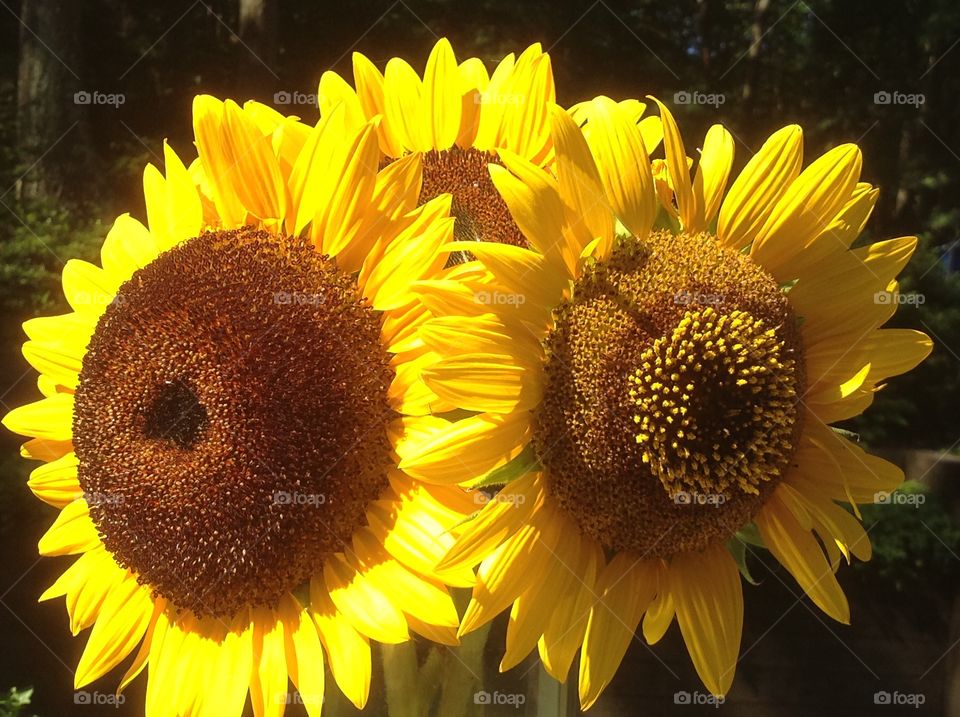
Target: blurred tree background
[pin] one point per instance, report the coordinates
(882, 73)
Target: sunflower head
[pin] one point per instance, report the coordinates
(212, 425)
(660, 390)
(220, 413)
(671, 376)
(460, 118)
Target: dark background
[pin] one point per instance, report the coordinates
(67, 169)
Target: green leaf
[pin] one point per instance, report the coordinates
(750, 534)
(849, 435)
(738, 549)
(523, 463)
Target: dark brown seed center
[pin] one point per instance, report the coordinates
(176, 415)
(230, 419)
(670, 408)
(478, 209)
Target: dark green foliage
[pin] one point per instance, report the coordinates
(12, 704)
(915, 541)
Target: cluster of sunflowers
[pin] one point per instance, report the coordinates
(276, 416)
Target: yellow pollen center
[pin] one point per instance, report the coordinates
(714, 403)
(670, 408)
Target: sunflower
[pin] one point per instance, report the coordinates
(459, 118)
(654, 396)
(219, 417)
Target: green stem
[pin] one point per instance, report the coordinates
(400, 679)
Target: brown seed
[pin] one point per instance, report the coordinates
(479, 211)
(649, 439)
(230, 419)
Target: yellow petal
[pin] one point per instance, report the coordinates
(348, 652)
(531, 613)
(370, 91)
(56, 482)
(798, 551)
(689, 205)
(174, 211)
(625, 589)
(414, 254)
(368, 610)
(268, 684)
(588, 215)
(129, 246)
(505, 574)
(72, 532)
(660, 614)
(526, 97)
(488, 333)
(760, 185)
(50, 418)
(395, 195)
(513, 266)
(333, 91)
(810, 204)
(217, 159)
(140, 659)
(88, 288)
(499, 519)
(713, 171)
(624, 165)
(42, 449)
(233, 664)
(122, 622)
(708, 596)
(492, 104)
(485, 382)
(840, 233)
(833, 523)
(303, 653)
(469, 448)
(426, 601)
(409, 394)
(416, 526)
(255, 174)
(59, 362)
(346, 195)
(73, 328)
(533, 198)
(441, 97)
(571, 611)
(402, 90)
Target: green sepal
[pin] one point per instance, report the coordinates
(738, 549)
(519, 466)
